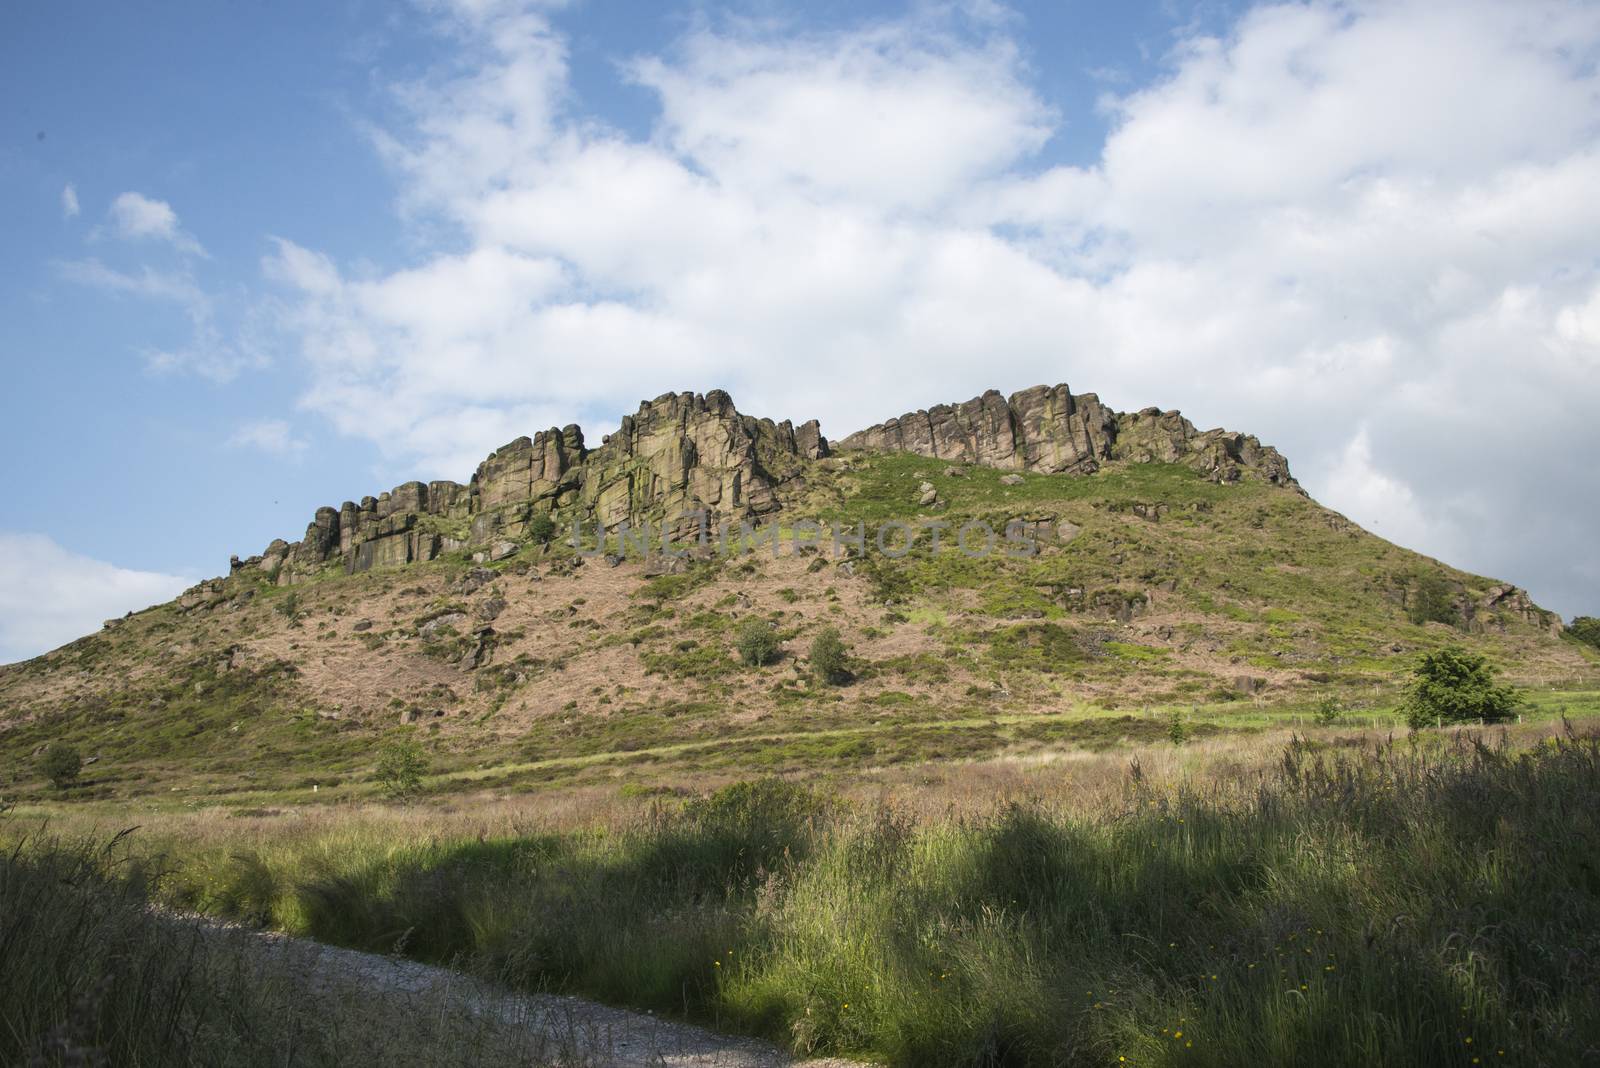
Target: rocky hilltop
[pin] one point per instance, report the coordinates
(686, 452)
(1051, 430)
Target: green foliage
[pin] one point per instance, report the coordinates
(1329, 711)
(1431, 600)
(1585, 629)
(829, 656)
(757, 642)
(1452, 685)
(542, 528)
(1178, 729)
(61, 764)
(288, 605)
(1044, 647)
(401, 766)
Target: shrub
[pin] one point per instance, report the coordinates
(61, 764)
(1177, 730)
(401, 766)
(829, 656)
(1329, 710)
(289, 605)
(757, 643)
(1452, 685)
(1586, 629)
(542, 528)
(1432, 601)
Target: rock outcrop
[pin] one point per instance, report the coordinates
(687, 453)
(679, 454)
(1051, 430)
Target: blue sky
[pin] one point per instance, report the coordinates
(260, 258)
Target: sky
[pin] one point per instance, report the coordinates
(260, 258)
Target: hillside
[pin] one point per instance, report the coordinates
(1174, 569)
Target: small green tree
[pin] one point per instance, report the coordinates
(61, 765)
(1178, 730)
(1432, 601)
(757, 642)
(829, 656)
(1329, 710)
(541, 528)
(401, 766)
(1452, 685)
(1585, 629)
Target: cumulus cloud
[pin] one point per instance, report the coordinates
(134, 216)
(273, 436)
(50, 595)
(69, 201)
(1364, 231)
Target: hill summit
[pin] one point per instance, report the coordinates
(695, 453)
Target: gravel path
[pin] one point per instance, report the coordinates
(522, 1028)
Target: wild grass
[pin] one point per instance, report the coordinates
(91, 975)
(1357, 900)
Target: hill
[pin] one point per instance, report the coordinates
(1169, 569)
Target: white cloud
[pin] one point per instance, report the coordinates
(273, 436)
(1364, 231)
(134, 216)
(69, 201)
(49, 595)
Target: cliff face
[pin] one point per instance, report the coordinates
(1051, 430)
(680, 453)
(689, 452)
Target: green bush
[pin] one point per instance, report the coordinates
(1177, 728)
(542, 528)
(1432, 600)
(829, 656)
(757, 642)
(1452, 685)
(1585, 629)
(401, 766)
(1329, 711)
(61, 765)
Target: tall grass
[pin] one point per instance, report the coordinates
(91, 975)
(1395, 904)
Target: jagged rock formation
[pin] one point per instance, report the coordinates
(688, 452)
(680, 453)
(1051, 430)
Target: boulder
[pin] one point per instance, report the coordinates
(453, 620)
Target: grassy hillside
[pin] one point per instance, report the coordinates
(1234, 605)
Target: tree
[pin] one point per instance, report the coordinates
(1329, 711)
(541, 528)
(1177, 728)
(401, 766)
(829, 656)
(1452, 685)
(1585, 629)
(757, 643)
(61, 764)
